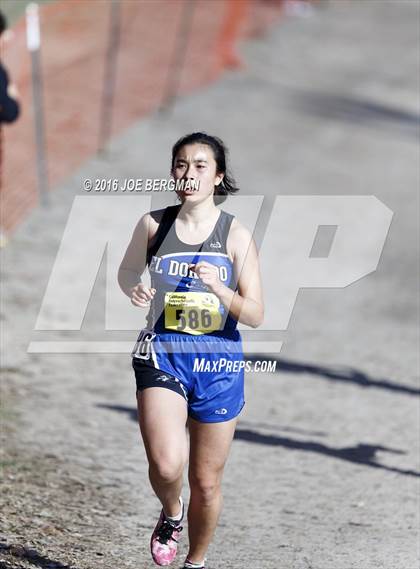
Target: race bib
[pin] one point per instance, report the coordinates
(142, 347)
(192, 312)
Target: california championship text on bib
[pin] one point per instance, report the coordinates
(192, 312)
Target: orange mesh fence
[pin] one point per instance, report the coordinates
(74, 45)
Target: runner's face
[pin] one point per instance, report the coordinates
(196, 163)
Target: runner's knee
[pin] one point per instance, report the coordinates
(167, 469)
(206, 487)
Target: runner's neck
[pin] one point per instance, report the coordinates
(196, 214)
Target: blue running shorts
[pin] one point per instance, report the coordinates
(207, 370)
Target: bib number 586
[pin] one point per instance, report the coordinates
(193, 318)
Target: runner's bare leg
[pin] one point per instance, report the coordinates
(209, 448)
(162, 420)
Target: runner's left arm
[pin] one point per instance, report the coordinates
(246, 304)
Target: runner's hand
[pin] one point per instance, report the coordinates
(141, 295)
(208, 274)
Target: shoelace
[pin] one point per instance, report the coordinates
(165, 531)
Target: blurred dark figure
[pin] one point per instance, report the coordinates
(9, 103)
(9, 106)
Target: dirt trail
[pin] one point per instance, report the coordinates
(324, 468)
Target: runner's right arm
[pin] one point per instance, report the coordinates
(134, 262)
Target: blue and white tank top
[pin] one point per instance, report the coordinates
(182, 303)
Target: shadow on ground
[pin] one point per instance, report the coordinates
(359, 111)
(19, 552)
(363, 454)
(340, 374)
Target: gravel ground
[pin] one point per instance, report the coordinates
(324, 469)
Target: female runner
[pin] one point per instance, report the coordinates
(188, 361)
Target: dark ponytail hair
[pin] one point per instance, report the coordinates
(227, 185)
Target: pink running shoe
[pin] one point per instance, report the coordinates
(164, 542)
